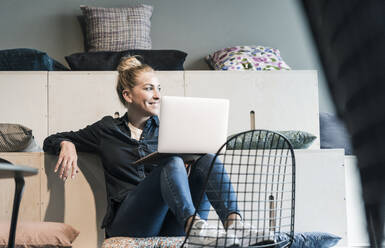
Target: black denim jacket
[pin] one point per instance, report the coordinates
(111, 139)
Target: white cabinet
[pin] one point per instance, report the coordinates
(77, 99)
(355, 211)
(50, 102)
(23, 100)
(280, 100)
(320, 192)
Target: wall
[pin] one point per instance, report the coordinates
(197, 27)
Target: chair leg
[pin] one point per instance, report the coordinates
(272, 214)
(19, 187)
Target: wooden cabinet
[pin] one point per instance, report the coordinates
(23, 100)
(280, 100)
(320, 194)
(50, 102)
(77, 99)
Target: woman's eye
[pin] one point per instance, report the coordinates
(148, 88)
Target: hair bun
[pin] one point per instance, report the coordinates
(127, 63)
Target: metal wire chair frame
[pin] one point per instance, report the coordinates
(289, 148)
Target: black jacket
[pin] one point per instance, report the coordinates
(111, 139)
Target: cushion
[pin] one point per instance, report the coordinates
(309, 239)
(247, 58)
(168, 60)
(153, 242)
(25, 59)
(333, 133)
(39, 234)
(298, 139)
(117, 29)
(14, 137)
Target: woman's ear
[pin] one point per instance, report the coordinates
(127, 96)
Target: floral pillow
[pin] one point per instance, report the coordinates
(247, 58)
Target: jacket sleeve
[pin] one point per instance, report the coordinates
(85, 140)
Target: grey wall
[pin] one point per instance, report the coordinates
(197, 27)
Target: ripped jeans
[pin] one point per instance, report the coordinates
(161, 204)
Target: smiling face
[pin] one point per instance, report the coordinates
(144, 98)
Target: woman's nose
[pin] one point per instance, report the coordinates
(156, 94)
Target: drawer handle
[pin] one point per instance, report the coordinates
(252, 119)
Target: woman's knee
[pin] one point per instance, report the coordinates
(207, 160)
(174, 163)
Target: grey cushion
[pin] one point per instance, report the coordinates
(14, 137)
(117, 29)
(298, 139)
(309, 239)
(333, 133)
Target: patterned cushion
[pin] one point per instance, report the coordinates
(152, 242)
(298, 139)
(247, 58)
(14, 137)
(117, 29)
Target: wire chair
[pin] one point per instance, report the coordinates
(261, 168)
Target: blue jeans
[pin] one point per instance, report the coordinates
(161, 204)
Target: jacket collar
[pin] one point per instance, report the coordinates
(152, 120)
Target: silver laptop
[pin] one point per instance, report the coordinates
(190, 125)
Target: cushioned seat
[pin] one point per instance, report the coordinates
(152, 242)
(39, 234)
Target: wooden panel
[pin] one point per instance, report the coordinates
(80, 202)
(172, 82)
(320, 194)
(30, 203)
(281, 100)
(23, 100)
(77, 99)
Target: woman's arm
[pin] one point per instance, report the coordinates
(66, 145)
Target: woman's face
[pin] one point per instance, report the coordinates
(144, 98)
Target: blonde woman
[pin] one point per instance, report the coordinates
(156, 200)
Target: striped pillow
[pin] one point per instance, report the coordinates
(117, 29)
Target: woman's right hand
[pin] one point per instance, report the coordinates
(67, 163)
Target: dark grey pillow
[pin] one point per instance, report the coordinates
(26, 59)
(162, 60)
(333, 133)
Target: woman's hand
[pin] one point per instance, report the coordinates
(68, 161)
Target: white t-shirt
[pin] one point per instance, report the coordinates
(135, 132)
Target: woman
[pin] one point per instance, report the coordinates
(157, 200)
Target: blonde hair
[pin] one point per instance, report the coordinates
(129, 69)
